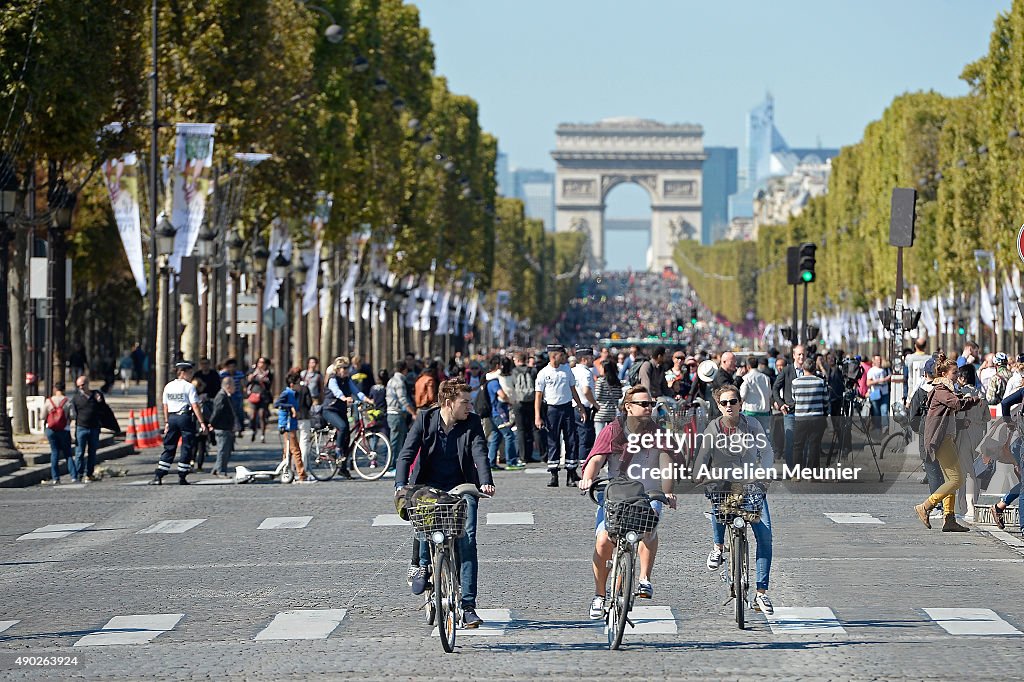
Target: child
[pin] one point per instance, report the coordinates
(287, 423)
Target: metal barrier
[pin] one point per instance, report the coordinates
(36, 423)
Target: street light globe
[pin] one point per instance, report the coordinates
(361, 64)
(261, 254)
(280, 265)
(379, 84)
(205, 241)
(165, 236)
(334, 34)
(235, 245)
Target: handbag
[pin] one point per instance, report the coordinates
(255, 398)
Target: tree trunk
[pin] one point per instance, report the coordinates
(16, 283)
(190, 334)
(329, 323)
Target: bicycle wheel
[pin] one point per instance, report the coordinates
(622, 596)
(739, 576)
(894, 446)
(371, 456)
(429, 608)
(445, 600)
(321, 464)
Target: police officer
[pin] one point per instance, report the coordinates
(556, 388)
(181, 402)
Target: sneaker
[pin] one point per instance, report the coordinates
(344, 472)
(715, 559)
(597, 607)
(922, 513)
(997, 516)
(515, 467)
(969, 517)
(411, 574)
(763, 604)
(553, 483)
(469, 618)
(88, 479)
(389, 474)
(215, 472)
(497, 467)
(419, 580)
(644, 590)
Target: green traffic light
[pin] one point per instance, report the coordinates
(693, 320)
(807, 276)
(679, 327)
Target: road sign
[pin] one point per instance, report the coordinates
(274, 318)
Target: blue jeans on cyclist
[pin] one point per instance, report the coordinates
(339, 422)
(466, 548)
(762, 535)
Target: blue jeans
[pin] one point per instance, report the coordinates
(398, 429)
(1017, 449)
(1011, 400)
(880, 409)
(788, 426)
(60, 446)
(86, 438)
(339, 422)
(762, 535)
(511, 446)
(466, 547)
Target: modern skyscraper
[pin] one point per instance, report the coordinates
(536, 189)
(502, 175)
(720, 180)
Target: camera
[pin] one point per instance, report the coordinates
(852, 372)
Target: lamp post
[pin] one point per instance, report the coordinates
(281, 333)
(62, 205)
(301, 271)
(205, 248)
(235, 245)
(165, 246)
(260, 254)
(9, 198)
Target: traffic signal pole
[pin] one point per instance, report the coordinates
(803, 326)
(796, 319)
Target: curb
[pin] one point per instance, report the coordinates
(33, 475)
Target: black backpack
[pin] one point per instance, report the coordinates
(633, 374)
(918, 409)
(482, 403)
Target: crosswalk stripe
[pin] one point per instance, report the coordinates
(303, 624)
(8, 624)
(137, 629)
(495, 622)
(853, 517)
(275, 522)
(804, 620)
(172, 526)
(510, 519)
(650, 620)
(971, 622)
(55, 531)
(389, 520)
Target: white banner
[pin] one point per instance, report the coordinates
(193, 156)
(121, 177)
(280, 243)
(321, 214)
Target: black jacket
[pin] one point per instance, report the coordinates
(223, 417)
(423, 443)
(782, 389)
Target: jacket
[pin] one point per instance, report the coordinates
(223, 417)
(782, 389)
(756, 393)
(423, 443)
(941, 416)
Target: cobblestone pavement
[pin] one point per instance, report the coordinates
(229, 581)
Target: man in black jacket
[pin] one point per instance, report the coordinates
(87, 409)
(448, 445)
(224, 421)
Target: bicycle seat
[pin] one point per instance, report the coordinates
(467, 489)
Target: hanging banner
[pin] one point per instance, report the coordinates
(321, 214)
(121, 177)
(193, 156)
(428, 297)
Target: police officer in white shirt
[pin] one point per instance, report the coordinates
(556, 387)
(585, 387)
(181, 402)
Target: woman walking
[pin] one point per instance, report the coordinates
(608, 394)
(940, 432)
(58, 435)
(258, 391)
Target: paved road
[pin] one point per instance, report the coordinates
(210, 601)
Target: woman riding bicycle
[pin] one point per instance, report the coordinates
(613, 445)
(734, 440)
(341, 392)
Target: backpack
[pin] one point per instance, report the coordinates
(57, 418)
(482, 403)
(918, 409)
(995, 388)
(633, 374)
(523, 385)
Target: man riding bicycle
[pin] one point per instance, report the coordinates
(448, 446)
(730, 441)
(614, 446)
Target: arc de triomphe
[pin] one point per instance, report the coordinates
(664, 159)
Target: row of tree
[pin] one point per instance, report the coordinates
(965, 157)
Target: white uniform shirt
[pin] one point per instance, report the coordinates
(584, 377)
(179, 396)
(555, 384)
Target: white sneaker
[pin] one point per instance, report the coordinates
(968, 517)
(763, 604)
(715, 559)
(597, 608)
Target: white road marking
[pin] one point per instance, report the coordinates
(853, 517)
(303, 624)
(275, 522)
(215, 481)
(651, 620)
(146, 482)
(495, 622)
(172, 526)
(1006, 538)
(138, 629)
(55, 531)
(510, 519)
(8, 624)
(69, 486)
(804, 620)
(971, 622)
(535, 471)
(389, 520)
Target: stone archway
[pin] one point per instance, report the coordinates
(666, 160)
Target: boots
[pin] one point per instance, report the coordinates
(571, 477)
(553, 483)
(951, 526)
(182, 480)
(923, 510)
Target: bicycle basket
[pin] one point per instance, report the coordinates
(427, 517)
(736, 500)
(634, 515)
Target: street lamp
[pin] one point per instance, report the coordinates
(205, 248)
(165, 236)
(9, 199)
(260, 254)
(299, 274)
(62, 205)
(165, 247)
(234, 245)
(280, 265)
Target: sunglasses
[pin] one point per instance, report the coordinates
(643, 403)
(678, 358)
(730, 401)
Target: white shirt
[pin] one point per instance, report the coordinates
(1013, 384)
(584, 377)
(555, 384)
(179, 396)
(878, 373)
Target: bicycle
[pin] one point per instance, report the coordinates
(440, 525)
(626, 525)
(371, 451)
(736, 505)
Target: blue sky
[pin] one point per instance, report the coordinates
(832, 66)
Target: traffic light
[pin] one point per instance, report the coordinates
(806, 269)
(961, 327)
(679, 324)
(693, 316)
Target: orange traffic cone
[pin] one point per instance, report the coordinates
(131, 436)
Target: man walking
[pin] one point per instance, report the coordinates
(399, 407)
(556, 388)
(224, 421)
(784, 400)
(181, 402)
(523, 383)
(585, 386)
(86, 410)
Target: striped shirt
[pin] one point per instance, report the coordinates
(810, 396)
(608, 399)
